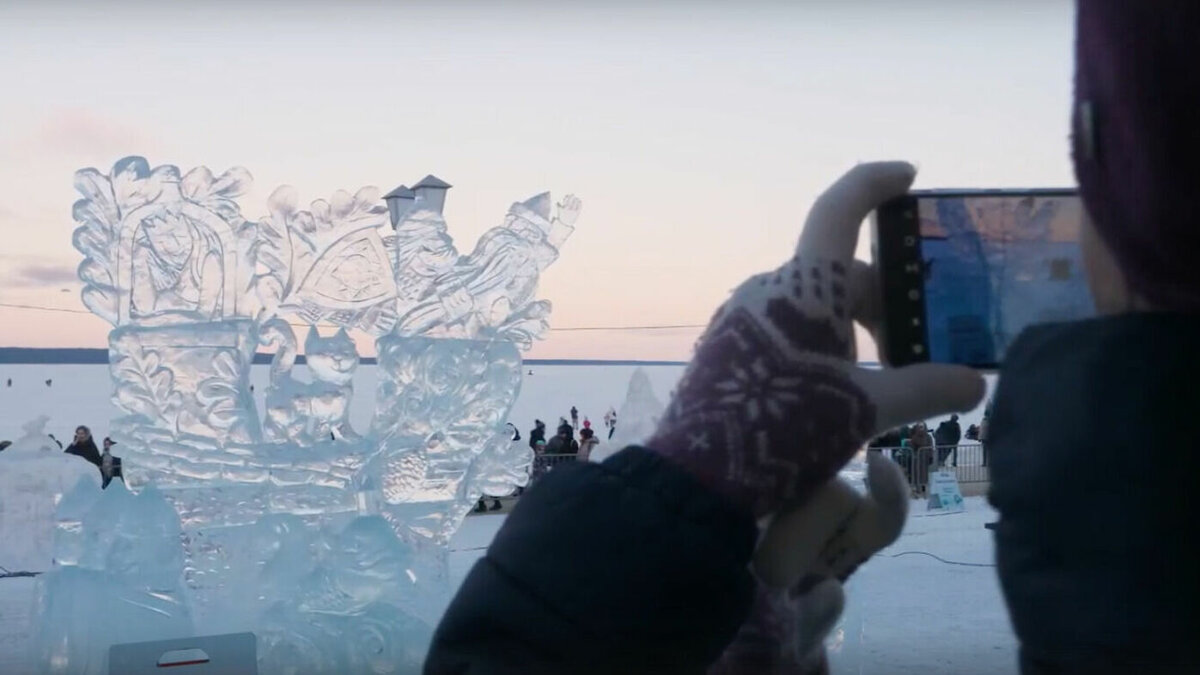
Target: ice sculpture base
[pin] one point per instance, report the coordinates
(328, 596)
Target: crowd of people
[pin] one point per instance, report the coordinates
(918, 451)
(564, 446)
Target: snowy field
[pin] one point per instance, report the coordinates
(908, 611)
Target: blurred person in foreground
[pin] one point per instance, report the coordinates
(721, 546)
(1093, 481)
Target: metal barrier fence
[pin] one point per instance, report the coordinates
(542, 464)
(969, 461)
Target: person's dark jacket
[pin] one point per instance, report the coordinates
(562, 445)
(1093, 473)
(538, 433)
(948, 433)
(624, 566)
(117, 471)
(86, 449)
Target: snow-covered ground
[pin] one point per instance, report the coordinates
(908, 613)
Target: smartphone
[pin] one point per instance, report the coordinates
(965, 271)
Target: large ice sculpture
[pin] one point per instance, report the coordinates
(327, 541)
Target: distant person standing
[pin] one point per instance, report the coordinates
(564, 442)
(110, 465)
(587, 443)
(610, 422)
(10, 381)
(83, 446)
(574, 418)
(947, 436)
(537, 433)
(922, 445)
(983, 439)
(540, 464)
(972, 433)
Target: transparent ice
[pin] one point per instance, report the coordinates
(639, 414)
(35, 487)
(329, 542)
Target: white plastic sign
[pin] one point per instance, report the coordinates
(231, 654)
(944, 494)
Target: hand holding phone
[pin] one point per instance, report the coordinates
(963, 272)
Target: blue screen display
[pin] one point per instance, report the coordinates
(996, 264)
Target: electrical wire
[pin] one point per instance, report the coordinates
(936, 557)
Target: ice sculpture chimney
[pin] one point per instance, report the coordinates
(431, 192)
(399, 201)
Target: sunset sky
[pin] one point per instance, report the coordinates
(696, 133)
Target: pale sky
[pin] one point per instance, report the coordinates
(697, 134)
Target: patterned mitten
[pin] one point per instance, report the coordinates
(786, 631)
(803, 558)
(773, 404)
(836, 530)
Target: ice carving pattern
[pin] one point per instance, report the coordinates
(329, 543)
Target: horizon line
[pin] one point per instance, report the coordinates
(98, 356)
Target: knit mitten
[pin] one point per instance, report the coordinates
(786, 631)
(772, 404)
(804, 556)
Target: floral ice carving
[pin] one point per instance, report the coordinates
(193, 289)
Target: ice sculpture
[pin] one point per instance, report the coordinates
(36, 478)
(636, 419)
(126, 587)
(640, 412)
(328, 542)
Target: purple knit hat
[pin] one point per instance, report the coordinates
(1136, 140)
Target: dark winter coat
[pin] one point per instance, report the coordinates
(948, 433)
(117, 472)
(536, 434)
(562, 445)
(624, 566)
(1093, 473)
(86, 449)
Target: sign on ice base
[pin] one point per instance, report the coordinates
(944, 494)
